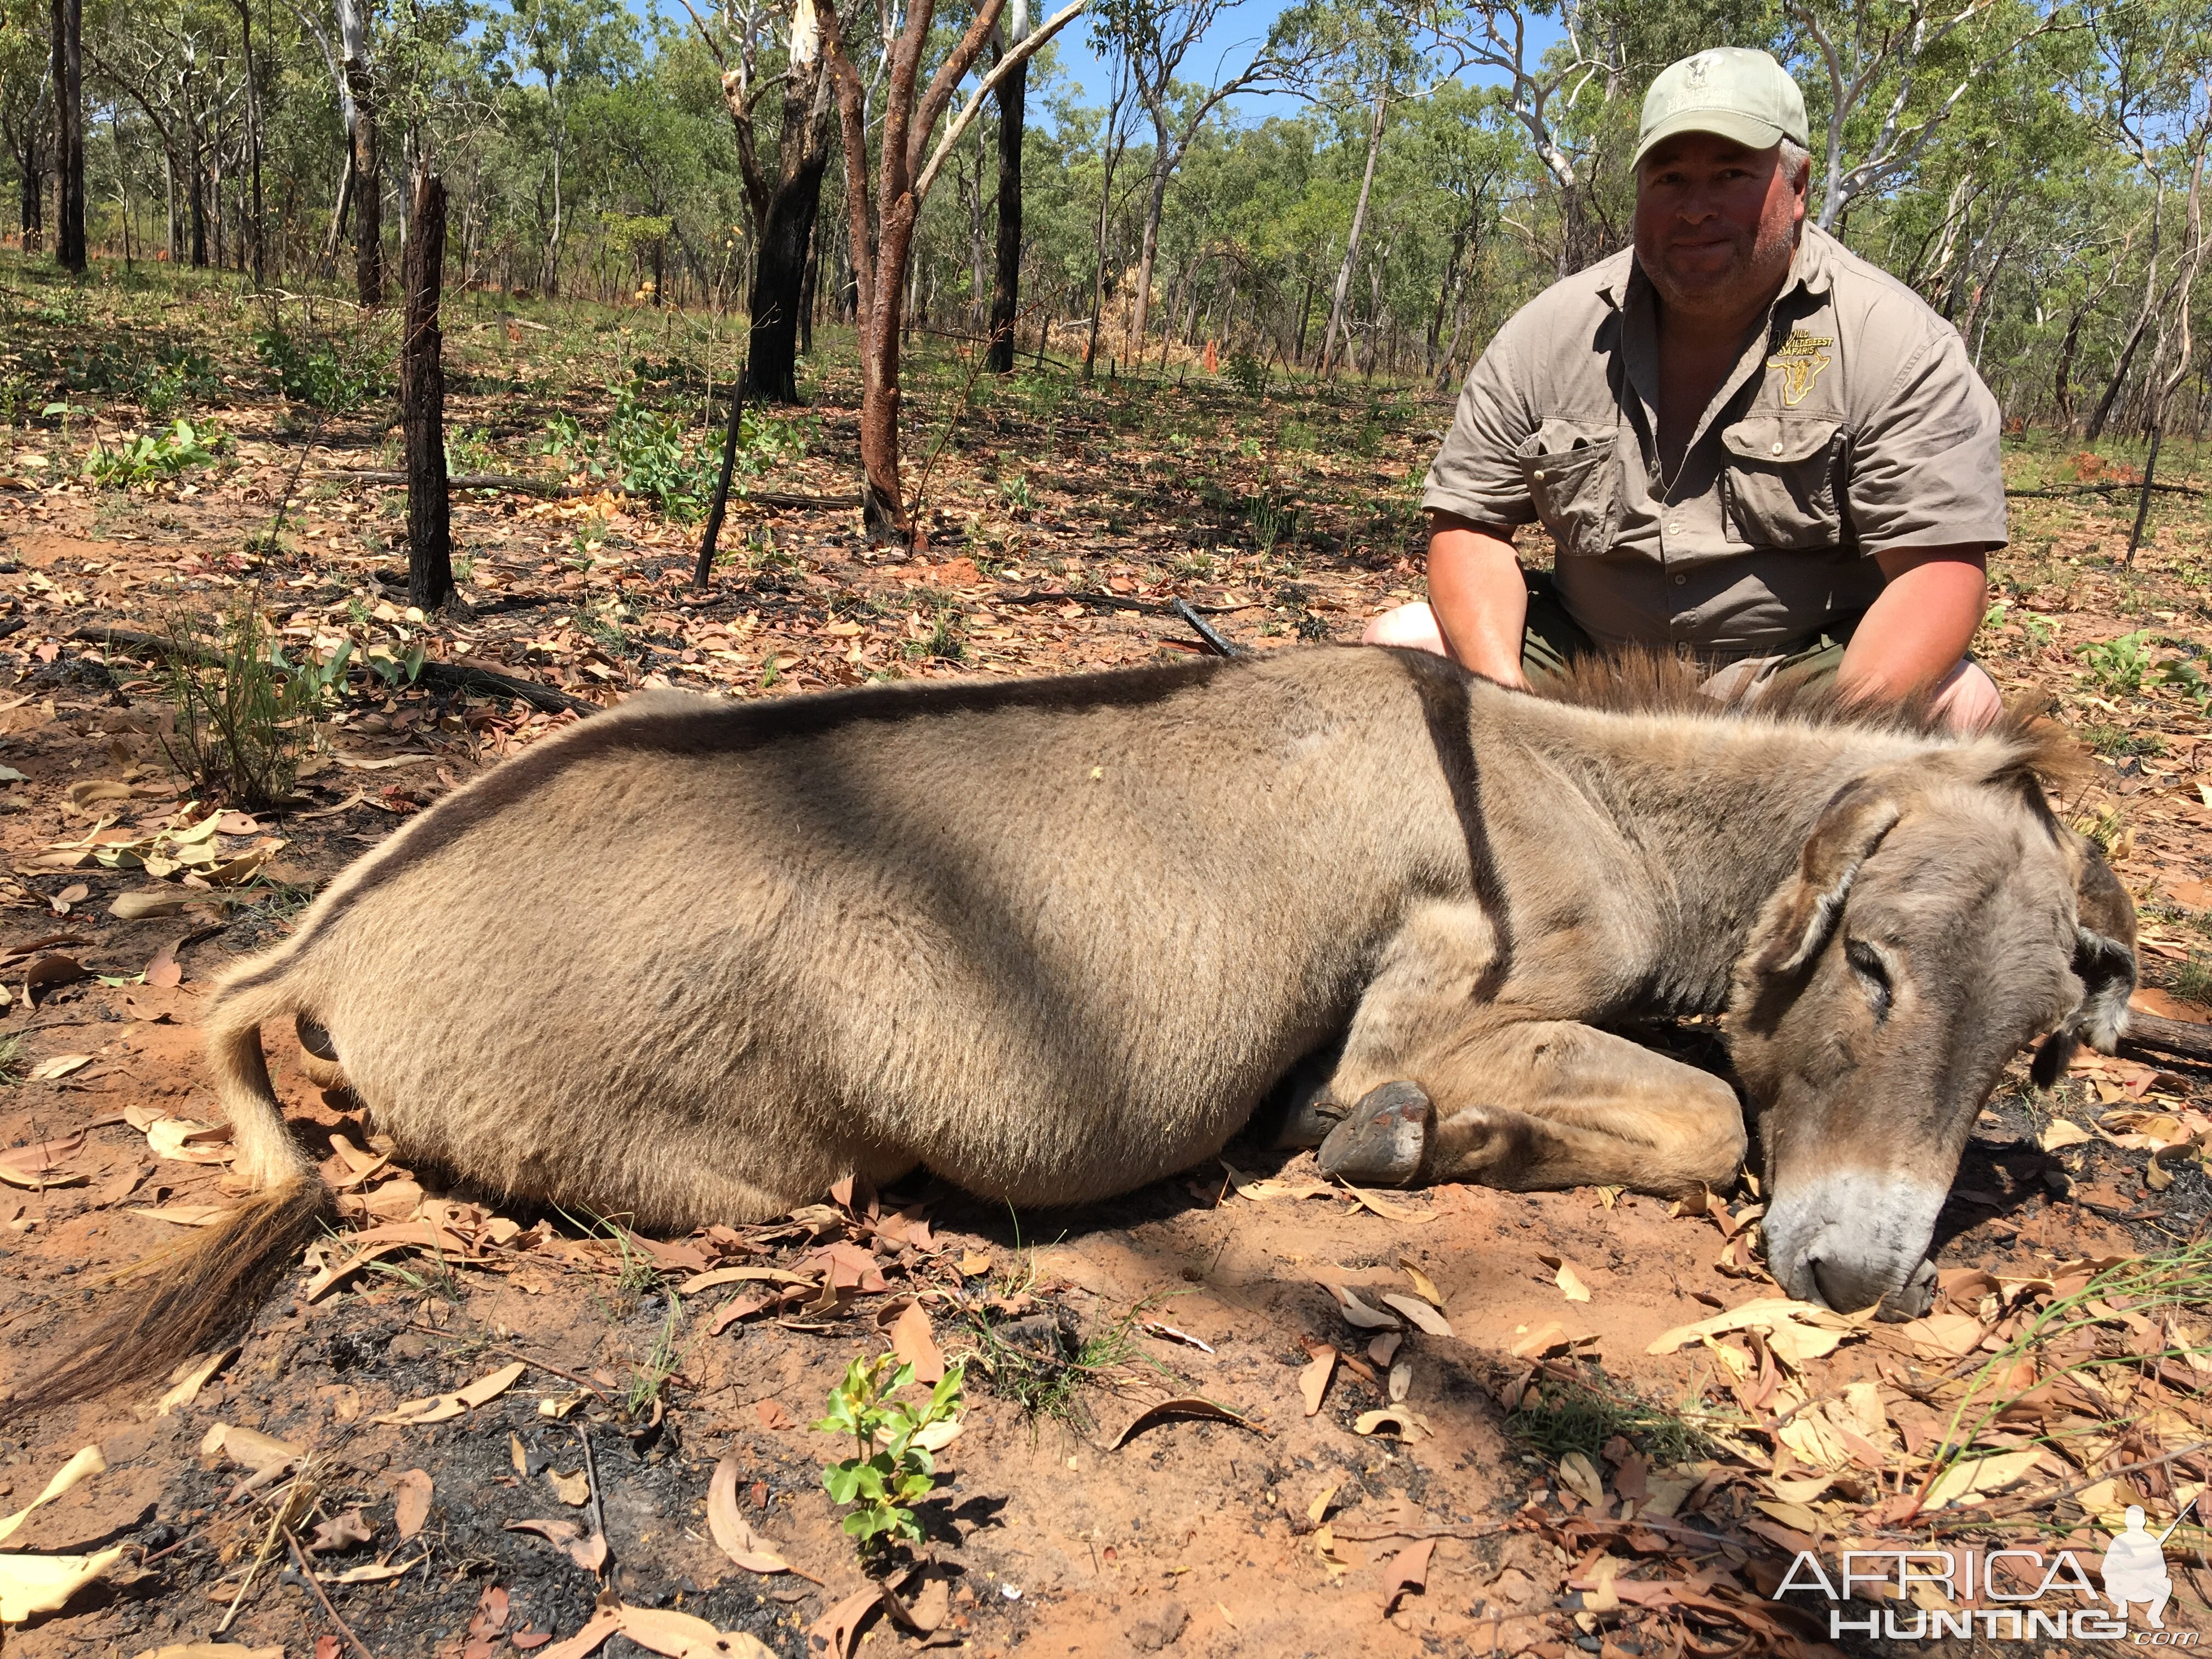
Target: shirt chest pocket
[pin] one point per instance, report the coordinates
(1779, 485)
(1574, 483)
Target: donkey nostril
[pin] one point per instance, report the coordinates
(1847, 1289)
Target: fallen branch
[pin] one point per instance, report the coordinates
(1115, 601)
(507, 481)
(437, 676)
(1214, 642)
(2178, 1037)
(2106, 489)
(545, 487)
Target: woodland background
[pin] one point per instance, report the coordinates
(2035, 171)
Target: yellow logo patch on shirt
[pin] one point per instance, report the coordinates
(1800, 359)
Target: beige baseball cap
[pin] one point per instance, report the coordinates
(1731, 90)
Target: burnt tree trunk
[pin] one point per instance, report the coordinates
(69, 134)
(368, 189)
(786, 233)
(1006, 280)
(32, 202)
(779, 282)
(423, 402)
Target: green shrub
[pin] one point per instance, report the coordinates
(331, 375)
(642, 451)
(147, 458)
(244, 715)
(2118, 666)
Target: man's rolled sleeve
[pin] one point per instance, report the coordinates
(1477, 473)
(1925, 469)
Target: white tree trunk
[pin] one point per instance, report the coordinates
(1358, 222)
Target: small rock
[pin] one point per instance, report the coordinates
(1151, 1635)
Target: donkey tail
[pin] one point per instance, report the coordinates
(189, 1298)
(201, 1292)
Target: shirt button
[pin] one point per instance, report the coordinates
(1673, 529)
(1538, 475)
(1778, 449)
(1678, 581)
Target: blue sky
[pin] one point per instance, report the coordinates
(1225, 49)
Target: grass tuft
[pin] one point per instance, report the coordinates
(1558, 1416)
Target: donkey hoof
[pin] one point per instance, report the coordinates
(1310, 1121)
(1381, 1141)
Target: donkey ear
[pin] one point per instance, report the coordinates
(2104, 961)
(1799, 918)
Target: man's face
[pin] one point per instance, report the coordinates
(1715, 223)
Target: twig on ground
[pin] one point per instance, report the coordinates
(307, 1572)
(2035, 1500)
(531, 1360)
(592, 1475)
(2104, 489)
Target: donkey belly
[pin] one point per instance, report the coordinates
(728, 1079)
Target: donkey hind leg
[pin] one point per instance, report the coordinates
(1539, 1104)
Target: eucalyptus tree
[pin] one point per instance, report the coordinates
(551, 53)
(1887, 75)
(749, 39)
(1154, 38)
(26, 98)
(883, 215)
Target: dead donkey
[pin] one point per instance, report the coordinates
(693, 961)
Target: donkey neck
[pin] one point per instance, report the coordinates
(1707, 818)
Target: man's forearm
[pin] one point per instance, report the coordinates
(1479, 596)
(1920, 626)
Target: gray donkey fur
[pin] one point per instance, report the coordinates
(694, 961)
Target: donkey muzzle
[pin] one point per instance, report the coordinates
(1852, 1239)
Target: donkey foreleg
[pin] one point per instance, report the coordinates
(1535, 1103)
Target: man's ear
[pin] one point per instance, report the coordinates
(2104, 961)
(1799, 918)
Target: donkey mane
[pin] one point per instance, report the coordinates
(1640, 680)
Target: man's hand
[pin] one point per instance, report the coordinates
(1917, 629)
(1480, 595)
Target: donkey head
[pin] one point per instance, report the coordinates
(1939, 920)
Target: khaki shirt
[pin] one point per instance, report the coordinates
(1854, 423)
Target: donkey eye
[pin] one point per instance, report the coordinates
(1874, 974)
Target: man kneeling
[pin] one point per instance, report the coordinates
(1746, 443)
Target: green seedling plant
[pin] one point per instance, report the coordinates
(2118, 666)
(334, 374)
(891, 1469)
(150, 457)
(2186, 677)
(245, 715)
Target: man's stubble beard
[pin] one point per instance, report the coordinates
(1754, 276)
